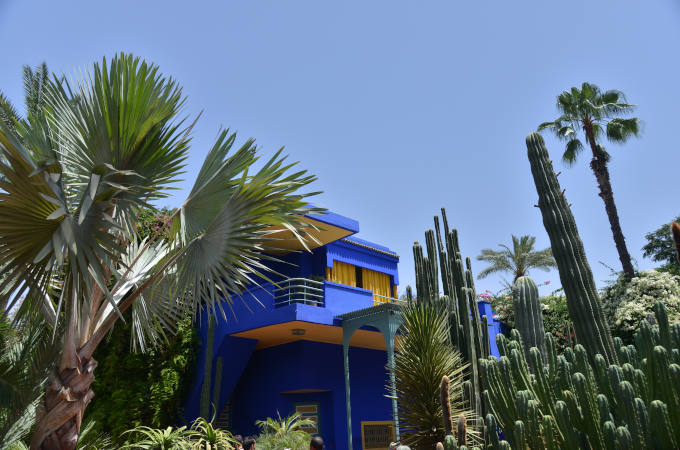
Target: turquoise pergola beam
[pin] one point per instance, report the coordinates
(387, 319)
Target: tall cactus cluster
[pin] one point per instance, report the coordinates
(469, 333)
(528, 313)
(583, 301)
(570, 403)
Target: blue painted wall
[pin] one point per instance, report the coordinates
(312, 365)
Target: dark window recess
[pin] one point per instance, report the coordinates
(359, 277)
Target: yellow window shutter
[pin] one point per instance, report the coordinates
(342, 273)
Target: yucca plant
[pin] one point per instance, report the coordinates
(204, 436)
(286, 432)
(170, 438)
(424, 355)
(70, 191)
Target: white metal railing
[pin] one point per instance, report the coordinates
(299, 290)
(382, 299)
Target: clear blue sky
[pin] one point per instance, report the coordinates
(401, 107)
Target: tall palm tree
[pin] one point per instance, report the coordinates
(69, 196)
(596, 113)
(516, 260)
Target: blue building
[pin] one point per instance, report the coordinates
(316, 341)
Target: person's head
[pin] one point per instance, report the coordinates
(249, 443)
(316, 443)
(239, 442)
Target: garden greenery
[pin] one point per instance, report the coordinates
(626, 303)
(135, 388)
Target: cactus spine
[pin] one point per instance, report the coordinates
(528, 313)
(465, 325)
(575, 274)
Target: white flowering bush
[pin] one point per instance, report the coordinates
(626, 303)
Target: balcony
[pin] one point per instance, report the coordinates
(299, 290)
(316, 293)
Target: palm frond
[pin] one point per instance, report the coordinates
(571, 151)
(517, 260)
(620, 130)
(8, 113)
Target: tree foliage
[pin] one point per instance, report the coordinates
(517, 260)
(660, 247)
(134, 388)
(596, 114)
(75, 178)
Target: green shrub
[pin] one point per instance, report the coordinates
(287, 432)
(133, 389)
(626, 303)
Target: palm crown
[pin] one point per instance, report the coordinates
(595, 113)
(516, 260)
(71, 187)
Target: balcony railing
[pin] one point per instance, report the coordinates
(377, 299)
(299, 290)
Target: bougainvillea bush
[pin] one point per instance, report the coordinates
(626, 303)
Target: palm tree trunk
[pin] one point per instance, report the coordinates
(601, 171)
(63, 405)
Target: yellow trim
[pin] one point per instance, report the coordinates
(387, 423)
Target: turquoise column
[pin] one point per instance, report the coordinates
(346, 337)
(389, 331)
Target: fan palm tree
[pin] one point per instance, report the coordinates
(69, 196)
(516, 260)
(596, 114)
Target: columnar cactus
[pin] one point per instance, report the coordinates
(218, 384)
(575, 274)
(570, 402)
(445, 396)
(205, 390)
(528, 313)
(467, 328)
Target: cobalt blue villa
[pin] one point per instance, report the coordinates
(317, 342)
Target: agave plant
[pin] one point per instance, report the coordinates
(205, 436)
(424, 355)
(286, 432)
(71, 187)
(147, 438)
